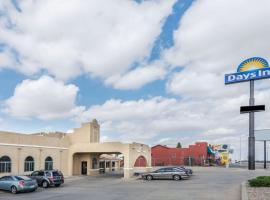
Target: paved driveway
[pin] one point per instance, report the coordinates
(206, 184)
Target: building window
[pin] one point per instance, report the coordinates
(48, 163)
(94, 163)
(29, 164)
(5, 164)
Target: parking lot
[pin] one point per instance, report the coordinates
(206, 183)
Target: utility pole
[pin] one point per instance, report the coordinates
(240, 149)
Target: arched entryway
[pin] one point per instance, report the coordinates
(140, 162)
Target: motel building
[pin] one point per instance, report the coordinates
(77, 153)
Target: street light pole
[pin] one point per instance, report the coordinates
(240, 149)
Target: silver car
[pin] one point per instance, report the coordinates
(18, 184)
(166, 173)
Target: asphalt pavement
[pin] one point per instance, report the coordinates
(206, 184)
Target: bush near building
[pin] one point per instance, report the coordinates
(260, 181)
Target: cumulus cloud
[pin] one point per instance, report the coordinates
(68, 38)
(44, 98)
(138, 77)
(143, 120)
(210, 43)
(212, 39)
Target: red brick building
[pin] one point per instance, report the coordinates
(193, 155)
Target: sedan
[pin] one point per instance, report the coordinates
(166, 173)
(16, 184)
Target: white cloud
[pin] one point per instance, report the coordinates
(101, 38)
(143, 120)
(44, 99)
(212, 39)
(138, 77)
(210, 43)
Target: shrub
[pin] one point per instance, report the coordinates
(260, 181)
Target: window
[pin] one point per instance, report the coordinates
(48, 174)
(48, 163)
(41, 173)
(94, 163)
(29, 164)
(35, 173)
(5, 164)
(160, 170)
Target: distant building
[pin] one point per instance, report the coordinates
(196, 154)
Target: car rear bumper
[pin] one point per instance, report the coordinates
(27, 188)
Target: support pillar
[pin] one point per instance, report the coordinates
(251, 138)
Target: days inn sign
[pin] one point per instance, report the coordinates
(250, 69)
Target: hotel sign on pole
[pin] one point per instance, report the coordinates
(250, 70)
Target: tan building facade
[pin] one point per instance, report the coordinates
(77, 153)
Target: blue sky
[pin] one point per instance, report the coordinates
(92, 91)
(148, 71)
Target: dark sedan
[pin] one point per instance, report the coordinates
(16, 184)
(166, 173)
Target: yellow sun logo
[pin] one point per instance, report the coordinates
(252, 64)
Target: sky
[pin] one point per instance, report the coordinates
(149, 71)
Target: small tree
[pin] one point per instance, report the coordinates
(178, 145)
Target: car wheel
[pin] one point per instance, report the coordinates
(57, 185)
(45, 184)
(176, 177)
(149, 177)
(14, 190)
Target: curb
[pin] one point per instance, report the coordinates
(244, 195)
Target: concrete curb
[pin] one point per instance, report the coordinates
(244, 195)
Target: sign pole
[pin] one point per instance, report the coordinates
(251, 138)
(264, 161)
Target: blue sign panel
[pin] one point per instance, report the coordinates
(250, 69)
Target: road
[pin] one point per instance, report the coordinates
(206, 184)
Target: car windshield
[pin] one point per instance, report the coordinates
(22, 178)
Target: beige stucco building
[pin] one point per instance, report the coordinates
(76, 153)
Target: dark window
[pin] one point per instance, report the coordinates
(9, 178)
(29, 164)
(5, 164)
(168, 169)
(35, 173)
(41, 173)
(22, 178)
(161, 170)
(56, 174)
(48, 163)
(94, 163)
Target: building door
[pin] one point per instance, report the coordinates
(84, 168)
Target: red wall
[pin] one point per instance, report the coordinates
(165, 156)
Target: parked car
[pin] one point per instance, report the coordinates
(166, 173)
(46, 178)
(189, 171)
(16, 184)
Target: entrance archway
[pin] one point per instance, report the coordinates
(140, 162)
